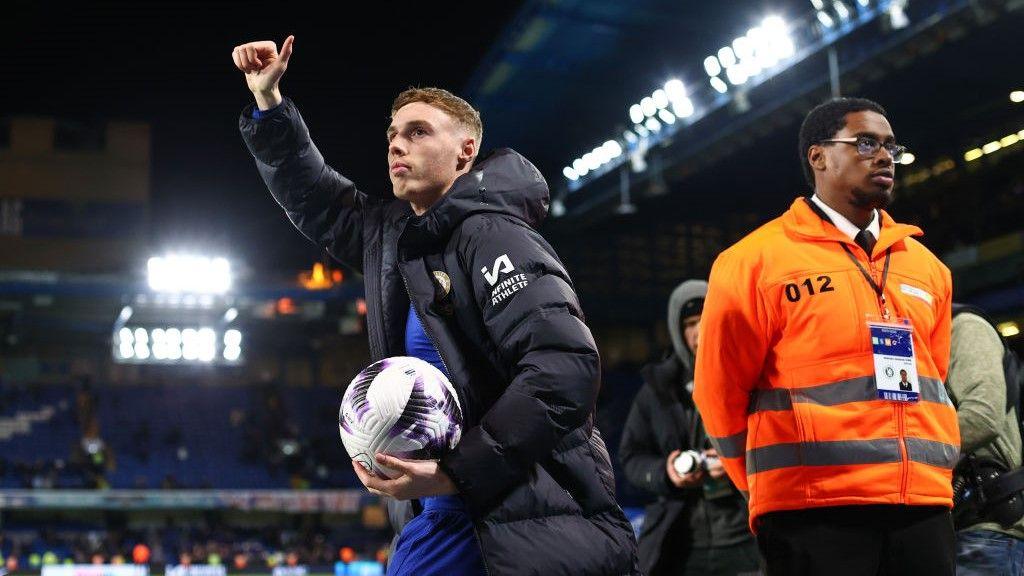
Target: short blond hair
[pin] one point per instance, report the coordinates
(456, 107)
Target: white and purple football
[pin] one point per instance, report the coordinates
(401, 406)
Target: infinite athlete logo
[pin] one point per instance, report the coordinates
(502, 265)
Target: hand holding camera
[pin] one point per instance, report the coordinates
(691, 475)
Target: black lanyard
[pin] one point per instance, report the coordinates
(879, 288)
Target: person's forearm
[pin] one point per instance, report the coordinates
(267, 100)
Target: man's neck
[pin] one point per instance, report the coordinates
(858, 216)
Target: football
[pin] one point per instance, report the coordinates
(401, 406)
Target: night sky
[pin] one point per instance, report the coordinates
(169, 64)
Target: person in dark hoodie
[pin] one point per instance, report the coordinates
(457, 275)
(698, 524)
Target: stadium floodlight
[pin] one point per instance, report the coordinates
(727, 57)
(841, 10)
(141, 351)
(907, 159)
(773, 39)
(189, 274)
(230, 315)
(207, 344)
(825, 19)
(973, 154)
(1008, 329)
(864, 3)
(141, 336)
(126, 349)
(570, 174)
(737, 75)
(660, 99)
(636, 114)
(231, 353)
(991, 147)
(125, 315)
(683, 108)
(612, 148)
(580, 167)
(712, 66)
(232, 338)
(897, 14)
(641, 130)
(630, 137)
(125, 335)
(591, 162)
(1009, 140)
(743, 48)
(648, 106)
(818, 4)
(667, 117)
(653, 125)
(1017, 96)
(190, 344)
(173, 352)
(675, 89)
(719, 85)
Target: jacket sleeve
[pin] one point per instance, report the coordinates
(533, 318)
(324, 205)
(976, 381)
(733, 346)
(641, 457)
(939, 346)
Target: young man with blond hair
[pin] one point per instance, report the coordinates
(457, 275)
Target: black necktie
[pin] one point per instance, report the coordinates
(865, 240)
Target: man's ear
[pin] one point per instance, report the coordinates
(468, 152)
(816, 157)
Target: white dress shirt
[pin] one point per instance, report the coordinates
(844, 225)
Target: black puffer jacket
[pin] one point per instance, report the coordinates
(500, 308)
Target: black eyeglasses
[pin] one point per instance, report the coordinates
(867, 146)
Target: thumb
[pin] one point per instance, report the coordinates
(286, 49)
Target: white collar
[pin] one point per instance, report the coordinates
(844, 225)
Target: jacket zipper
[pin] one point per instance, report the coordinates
(433, 341)
(899, 412)
(903, 452)
(378, 349)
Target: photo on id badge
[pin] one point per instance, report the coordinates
(892, 345)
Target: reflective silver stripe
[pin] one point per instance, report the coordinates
(932, 452)
(774, 456)
(860, 389)
(763, 399)
(730, 446)
(933, 390)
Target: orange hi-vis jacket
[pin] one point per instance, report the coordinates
(785, 372)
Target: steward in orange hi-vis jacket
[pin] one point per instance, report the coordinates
(790, 380)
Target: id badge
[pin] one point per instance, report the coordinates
(892, 345)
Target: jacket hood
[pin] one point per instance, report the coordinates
(682, 294)
(502, 182)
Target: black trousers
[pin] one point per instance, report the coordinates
(858, 541)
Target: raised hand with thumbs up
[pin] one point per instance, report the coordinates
(263, 66)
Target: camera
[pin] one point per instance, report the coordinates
(690, 461)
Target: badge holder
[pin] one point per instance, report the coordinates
(892, 346)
